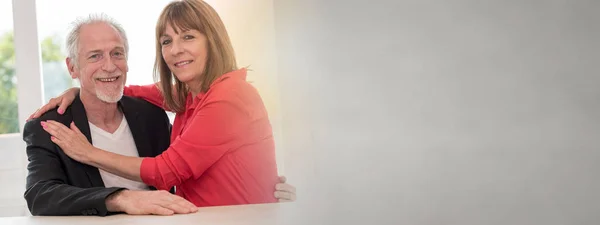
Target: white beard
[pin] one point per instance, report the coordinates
(110, 98)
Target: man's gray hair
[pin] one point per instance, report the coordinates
(73, 35)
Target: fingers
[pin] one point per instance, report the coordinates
(56, 129)
(57, 141)
(32, 115)
(174, 207)
(37, 113)
(174, 203)
(59, 133)
(285, 192)
(180, 205)
(43, 110)
(158, 210)
(67, 98)
(55, 133)
(74, 128)
(156, 203)
(285, 196)
(285, 188)
(47, 107)
(186, 204)
(62, 101)
(51, 104)
(63, 106)
(52, 129)
(170, 203)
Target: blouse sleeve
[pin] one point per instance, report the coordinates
(148, 92)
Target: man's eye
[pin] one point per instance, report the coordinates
(94, 56)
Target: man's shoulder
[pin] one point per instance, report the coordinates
(52, 114)
(140, 105)
(33, 127)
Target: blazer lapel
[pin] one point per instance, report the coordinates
(81, 121)
(137, 127)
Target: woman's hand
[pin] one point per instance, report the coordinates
(72, 141)
(285, 192)
(63, 101)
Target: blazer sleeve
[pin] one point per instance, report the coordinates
(47, 192)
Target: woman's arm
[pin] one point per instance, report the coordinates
(227, 120)
(75, 145)
(149, 92)
(120, 165)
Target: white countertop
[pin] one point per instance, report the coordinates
(260, 214)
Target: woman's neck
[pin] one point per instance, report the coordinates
(194, 87)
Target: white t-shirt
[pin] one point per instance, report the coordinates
(120, 142)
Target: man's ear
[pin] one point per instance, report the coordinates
(71, 68)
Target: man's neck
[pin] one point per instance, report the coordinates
(106, 116)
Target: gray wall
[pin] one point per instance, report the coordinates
(441, 111)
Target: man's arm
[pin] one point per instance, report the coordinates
(47, 191)
(48, 194)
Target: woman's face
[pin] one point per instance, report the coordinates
(185, 53)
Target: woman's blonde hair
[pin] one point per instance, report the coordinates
(192, 15)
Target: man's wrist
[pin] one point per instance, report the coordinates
(115, 200)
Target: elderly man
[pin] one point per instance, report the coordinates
(56, 184)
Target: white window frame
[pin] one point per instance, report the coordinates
(29, 98)
(28, 62)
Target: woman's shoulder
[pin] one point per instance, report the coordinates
(233, 85)
(238, 93)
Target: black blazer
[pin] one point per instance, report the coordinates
(59, 185)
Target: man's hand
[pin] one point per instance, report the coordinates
(285, 192)
(148, 203)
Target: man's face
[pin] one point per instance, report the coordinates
(101, 64)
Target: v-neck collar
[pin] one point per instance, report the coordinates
(113, 136)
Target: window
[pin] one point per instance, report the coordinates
(8, 81)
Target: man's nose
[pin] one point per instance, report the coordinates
(108, 64)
